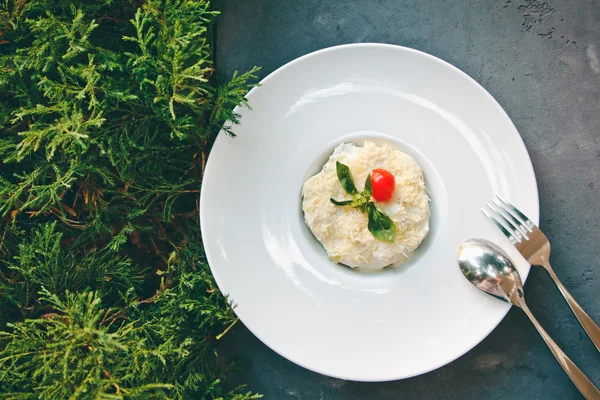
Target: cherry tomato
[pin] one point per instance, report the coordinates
(383, 183)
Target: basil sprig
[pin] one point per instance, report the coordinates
(380, 225)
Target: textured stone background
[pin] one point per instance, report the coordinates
(541, 61)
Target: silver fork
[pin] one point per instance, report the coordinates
(535, 248)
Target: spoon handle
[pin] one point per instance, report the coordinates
(585, 386)
(588, 324)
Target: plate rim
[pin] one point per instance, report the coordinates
(316, 53)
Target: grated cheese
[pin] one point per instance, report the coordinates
(343, 231)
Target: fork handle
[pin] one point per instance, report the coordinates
(585, 386)
(588, 324)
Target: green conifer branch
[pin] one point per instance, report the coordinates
(108, 110)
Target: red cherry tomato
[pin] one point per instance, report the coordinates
(383, 183)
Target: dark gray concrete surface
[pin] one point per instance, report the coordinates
(541, 61)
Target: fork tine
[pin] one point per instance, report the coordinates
(500, 226)
(526, 221)
(506, 222)
(509, 216)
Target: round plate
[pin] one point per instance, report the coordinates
(399, 322)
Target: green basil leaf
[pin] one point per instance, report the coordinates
(380, 225)
(341, 203)
(345, 178)
(368, 192)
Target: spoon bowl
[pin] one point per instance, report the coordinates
(490, 269)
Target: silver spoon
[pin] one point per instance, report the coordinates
(489, 268)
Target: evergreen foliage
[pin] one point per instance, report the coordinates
(108, 109)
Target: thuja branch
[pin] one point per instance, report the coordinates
(108, 110)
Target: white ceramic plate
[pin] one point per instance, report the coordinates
(400, 322)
